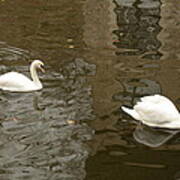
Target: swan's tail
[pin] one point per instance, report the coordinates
(131, 112)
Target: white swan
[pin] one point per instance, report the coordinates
(155, 111)
(17, 82)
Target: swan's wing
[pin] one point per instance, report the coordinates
(156, 99)
(14, 79)
(160, 101)
(153, 113)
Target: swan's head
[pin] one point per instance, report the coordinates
(38, 64)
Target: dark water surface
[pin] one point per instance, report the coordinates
(98, 54)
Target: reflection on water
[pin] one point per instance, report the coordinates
(36, 141)
(10, 53)
(122, 38)
(136, 88)
(138, 27)
(152, 137)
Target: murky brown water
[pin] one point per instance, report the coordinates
(98, 56)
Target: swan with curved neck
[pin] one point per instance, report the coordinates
(17, 82)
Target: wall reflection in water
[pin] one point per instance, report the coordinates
(138, 28)
(133, 89)
(43, 136)
(36, 140)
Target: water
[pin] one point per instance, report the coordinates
(98, 55)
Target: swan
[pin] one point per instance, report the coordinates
(17, 82)
(155, 111)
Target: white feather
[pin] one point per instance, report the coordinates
(156, 111)
(17, 82)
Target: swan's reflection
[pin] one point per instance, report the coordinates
(152, 137)
(20, 105)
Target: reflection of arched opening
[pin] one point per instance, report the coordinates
(138, 28)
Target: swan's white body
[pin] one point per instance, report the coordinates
(17, 82)
(155, 111)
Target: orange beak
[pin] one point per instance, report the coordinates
(42, 69)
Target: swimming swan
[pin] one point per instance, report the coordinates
(155, 111)
(17, 82)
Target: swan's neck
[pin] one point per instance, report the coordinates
(34, 75)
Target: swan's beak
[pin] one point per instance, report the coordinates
(42, 69)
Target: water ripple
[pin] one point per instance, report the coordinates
(36, 141)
